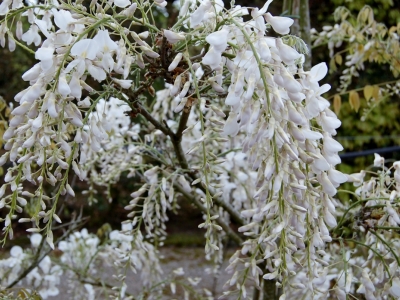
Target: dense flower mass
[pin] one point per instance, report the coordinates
(241, 130)
(44, 278)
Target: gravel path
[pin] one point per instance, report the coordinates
(191, 260)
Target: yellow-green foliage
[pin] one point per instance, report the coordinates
(364, 50)
(384, 10)
(19, 294)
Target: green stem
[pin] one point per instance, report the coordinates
(362, 88)
(387, 245)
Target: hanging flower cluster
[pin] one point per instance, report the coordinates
(372, 269)
(272, 102)
(53, 125)
(241, 130)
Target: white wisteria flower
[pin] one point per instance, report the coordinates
(280, 25)
(217, 111)
(173, 37)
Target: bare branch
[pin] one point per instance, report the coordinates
(158, 125)
(184, 119)
(231, 234)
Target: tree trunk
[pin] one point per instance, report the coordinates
(305, 28)
(270, 292)
(301, 26)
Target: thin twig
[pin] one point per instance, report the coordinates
(231, 234)
(387, 245)
(158, 125)
(196, 57)
(134, 94)
(235, 216)
(183, 120)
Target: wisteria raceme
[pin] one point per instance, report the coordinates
(251, 137)
(359, 271)
(276, 116)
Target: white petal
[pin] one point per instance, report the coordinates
(51, 106)
(212, 58)
(85, 48)
(289, 83)
(296, 97)
(37, 123)
(311, 135)
(198, 15)
(32, 73)
(185, 185)
(16, 251)
(161, 4)
(379, 160)
(4, 7)
(63, 87)
(130, 10)
(329, 218)
(173, 37)
(177, 85)
(22, 109)
(232, 98)
(331, 145)
(238, 11)
(231, 127)
(319, 71)
(286, 53)
(97, 73)
(270, 276)
(75, 87)
(297, 134)
(185, 89)
(367, 281)
(29, 142)
(45, 264)
(323, 89)
(265, 52)
(264, 9)
(175, 62)
(104, 41)
(280, 25)
(125, 84)
(219, 40)
(327, 185)
(320, 165)
(43, 27)
(122, 3)
(149, 52)
(63, 18)
(395, 288)
(8, 134)
(331, 157)
(329, 124)
(44, 53)
(36, 238)
(336, 177)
